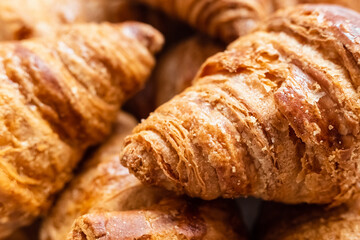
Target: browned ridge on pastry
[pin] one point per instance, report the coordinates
(224, 19)
(58, 96)
(304, 222)
(275, 116)
(118, 206)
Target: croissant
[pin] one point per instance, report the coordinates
(116, 204)
(275, 116)
(58, 96)
(178, 66)
(282, 222)
(223, 19)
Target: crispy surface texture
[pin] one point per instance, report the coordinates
(275, 116)
(178, 66)
(117, 206)
(58, 96)
(284, 222)
(223, 19)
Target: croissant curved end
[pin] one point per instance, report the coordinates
(140, 161)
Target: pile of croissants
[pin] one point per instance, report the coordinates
(235, 99)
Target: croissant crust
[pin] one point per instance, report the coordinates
(58, 96)
(275, 116)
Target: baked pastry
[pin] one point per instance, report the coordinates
(118, 206)
(275, 116)
(58, 96)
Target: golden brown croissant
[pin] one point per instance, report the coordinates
(178, 66)
(303, 222)
(112, 196)
(224, 19)
(58, 96)
(275, 116)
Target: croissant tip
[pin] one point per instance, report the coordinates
(141, 161)
(135, 157)
(146, 34)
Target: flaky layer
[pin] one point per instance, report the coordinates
(58, 96)
(275, 116)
